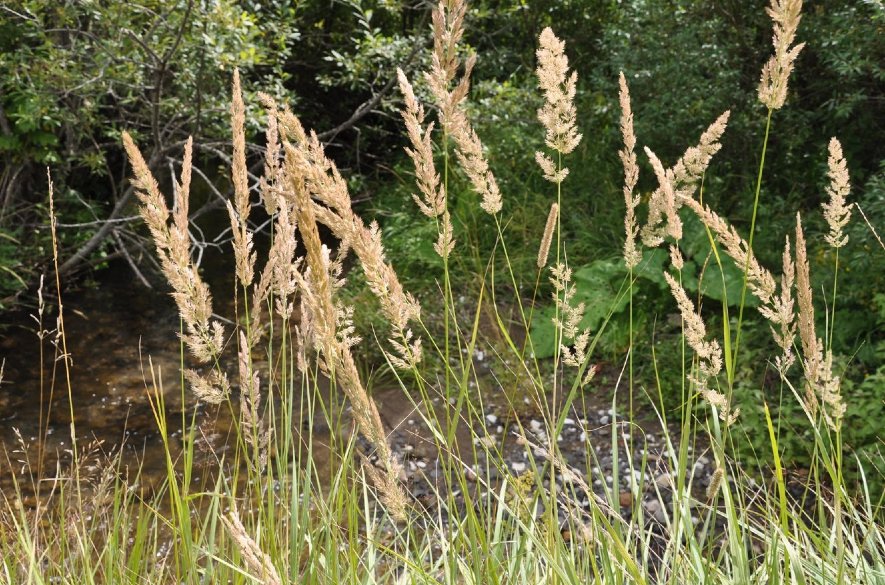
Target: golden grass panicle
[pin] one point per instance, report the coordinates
(676, 258)
(211, 388)
(448, 29)
(433, 200)
(759, 280)
(836, 211)
(811, 352)
(632, 256)
(680, 184)
(324, 318)
(445, 242)
(709, 352)
(204, 337)
(662, 205)
(692, 165)
(821, 386)
(432, 203)
(558, 114)
(239, 211)
(284, 266)
(569, 321)
(311, 171)
(250, 395)
(257, 561)
(474, 162)
(783, 327)
(786, 15)
(268, 186)
(547, 238)
(330, 330)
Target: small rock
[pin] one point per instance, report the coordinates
(491, 418)
(663, 480)
(625, 499)
(517, 467)
(535, 425)
(654, 509)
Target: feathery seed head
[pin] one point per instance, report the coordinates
(433, 200)
(632, 256)
(786, 15)
(558, 115)
(258, 561)
(203, 337)
(239, 211)
(709, 352)
(836, 211)
(269, 182)
(662, 204)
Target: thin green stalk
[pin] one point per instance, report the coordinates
(833, 310)
(737, 339)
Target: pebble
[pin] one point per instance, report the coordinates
(535, 425)
(625, 499)
(654, 509)
(491, 418)
(517, 467)
(663, 480)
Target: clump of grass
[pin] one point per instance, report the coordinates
(273, 512)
